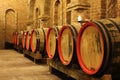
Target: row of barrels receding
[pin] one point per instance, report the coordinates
(96, 45)
(32, 40)
(17, 38)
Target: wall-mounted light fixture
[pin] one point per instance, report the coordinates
(81, 21)
(79, 18)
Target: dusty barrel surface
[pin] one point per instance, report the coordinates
(67, 44)
(27, 41)
(98, 46)
(52, 41)
(38, 40)
(19, 38)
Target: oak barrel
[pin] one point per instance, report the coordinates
(52, 41)
(27, 40)
(38, 40)
(19, 38)
(16, 35)
(67, 43)
(98, 46)
(35, 40)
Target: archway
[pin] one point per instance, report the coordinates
(10, 24)
(57, 13)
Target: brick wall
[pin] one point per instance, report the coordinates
(20, 7)
(68, 12)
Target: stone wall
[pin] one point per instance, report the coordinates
(20, 8)
(49, 13)
(69, 10)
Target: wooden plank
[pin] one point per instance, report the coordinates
(73, 72)
(32, 54)
(26, 52)
(35, 57)
(107, 77)
(69, 71)
(19, 49)
(38, 55)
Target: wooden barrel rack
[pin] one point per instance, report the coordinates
(55, 66)
(35, 57)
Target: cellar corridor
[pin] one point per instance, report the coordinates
(14, 66)
(59, 39)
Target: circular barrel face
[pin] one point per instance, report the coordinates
(51, 43)
(33, 41)
(65, 45)
(91, 49)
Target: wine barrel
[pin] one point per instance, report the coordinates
(27, 41)
(23, 39)
(38, 40)
(19, 38)
(98, 46)
(13, 38)
(67, 43)
(52, 41)
(35, 41)
(16, 35)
